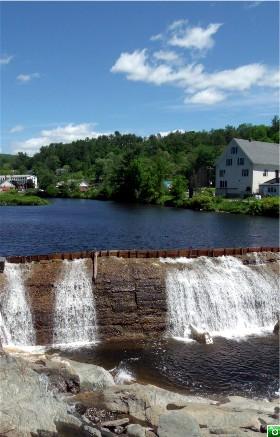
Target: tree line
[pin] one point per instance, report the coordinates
(130, 167)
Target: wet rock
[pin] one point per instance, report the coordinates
(179, 424)
(276, 328)
(91, 377)
(200, 336)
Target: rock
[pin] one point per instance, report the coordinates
(117, 422)
(200, 336)
(105, 432)
(276, 328)
(135, 430)
(91, 377)
(217, 417)
(119, 430)
(91, 432)
(142, 402)
(29, 406)
(177, 423)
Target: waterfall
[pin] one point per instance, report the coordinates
(74, 313)
(222, 296)
(16, 326)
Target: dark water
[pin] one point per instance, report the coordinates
(228, 367)
(75, 225)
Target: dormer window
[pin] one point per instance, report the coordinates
(233, 150)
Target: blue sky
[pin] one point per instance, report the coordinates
(75, 69)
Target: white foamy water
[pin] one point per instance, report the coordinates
(222, 296)
(74, 312)
(16, 319)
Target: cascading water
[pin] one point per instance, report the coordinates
(74, 313)
(16, 326)
(222, 296)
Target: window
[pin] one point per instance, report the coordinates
(240, 161)
(229, 161)
(222, 173)
(245, 172)
(223, 184)
(265, 172)
(233, 150)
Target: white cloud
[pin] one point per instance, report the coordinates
(165, 133)
(17, 128)
(206, 97)
(163, 67)
(195, 37)
(157, 37)
(177, 24)
(4, 60)
(163, 55)
(61, 134)
(24, 78)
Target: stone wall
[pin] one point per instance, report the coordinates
(130, 294)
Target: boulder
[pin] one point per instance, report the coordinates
(177, 423)
(29, 407)
(135, 430)
(200, 336)
(91, 377)
(142, 402)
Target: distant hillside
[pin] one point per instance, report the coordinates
(134, 168)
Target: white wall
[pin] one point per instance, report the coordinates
(259, 178)
(236, 183)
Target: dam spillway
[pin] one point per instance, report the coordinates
(16, 323)
(74, 309)
(139, 297)
(222, 296)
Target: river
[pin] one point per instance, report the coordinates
(75, 225)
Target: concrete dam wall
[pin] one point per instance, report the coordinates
(58, 301)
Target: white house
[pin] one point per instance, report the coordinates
(245, 165)
(20, 179)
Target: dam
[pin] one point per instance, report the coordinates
(90, 297)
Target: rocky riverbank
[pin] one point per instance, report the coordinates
(43, 395)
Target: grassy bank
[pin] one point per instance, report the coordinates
(205, 201)
(24, 199)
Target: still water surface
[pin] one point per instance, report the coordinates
(75, 225)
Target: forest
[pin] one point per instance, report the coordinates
(132, 168)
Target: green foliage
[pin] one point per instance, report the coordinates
(131, 168)
(268, 206)
(12, 198)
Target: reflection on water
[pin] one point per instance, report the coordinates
(74, 225)
(228, 367)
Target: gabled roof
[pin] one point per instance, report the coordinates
(7, 184)
(271, 182)
(259, 152)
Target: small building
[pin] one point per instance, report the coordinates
(244, 166)
(270, 188)
(83, 186)
(7, 186)
(21, 180)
